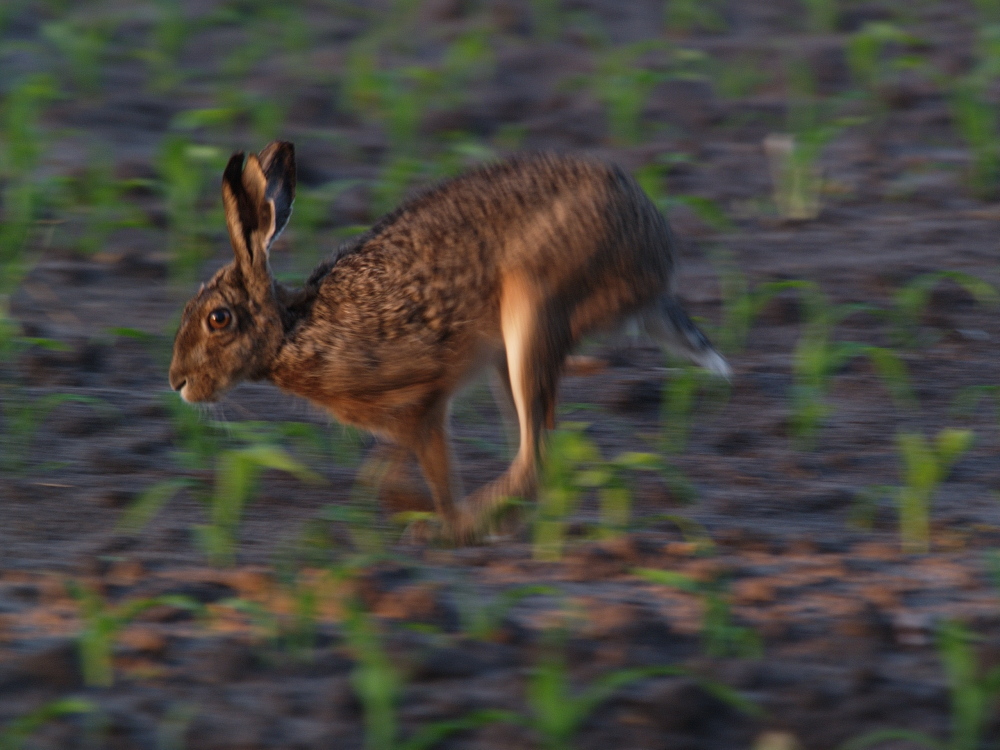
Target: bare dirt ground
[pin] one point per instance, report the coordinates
(847, 621)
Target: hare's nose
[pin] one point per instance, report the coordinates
(177, 385)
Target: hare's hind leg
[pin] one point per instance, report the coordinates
(534, 359)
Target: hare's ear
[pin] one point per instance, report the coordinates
(277, 161)
(242, 213)
(258, 198)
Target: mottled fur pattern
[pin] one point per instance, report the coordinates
(508, 266)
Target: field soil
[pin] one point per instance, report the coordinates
(846, 620)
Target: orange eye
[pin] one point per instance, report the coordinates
(219, 318)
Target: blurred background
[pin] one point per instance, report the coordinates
(831, 169)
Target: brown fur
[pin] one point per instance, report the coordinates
(507, 266)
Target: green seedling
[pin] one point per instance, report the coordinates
(547, 19)
(652, 178)
(610, 479)
(685, 16)
(198, 440)
(483, 620)
(566, 450)
(98, 199)
(967, 401)
(867, 55)
(236, 471)
(102, 624)
(910, 302)
(265, 115)
(22, 417)
(818, 357)
(680, 394)
(21, 145)
(236, 475)
(172, 728)
(573, 464)
(924, 467)
(294, 634)
(739, 78)
(558, 712)
(721, 637)
(83, 44)
(865, 504)
(975, 116)
(166, 40)
(15, 735)
(312, 213)
(183, 168)
(793, 157)
(623, 85)
(991, 561)
(741, 305)
(821, 15)
(973, 697)
(988, 10)
(467, 59)
(378, 685)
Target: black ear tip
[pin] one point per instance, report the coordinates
(233, 173)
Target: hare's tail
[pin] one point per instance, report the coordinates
(668, 325)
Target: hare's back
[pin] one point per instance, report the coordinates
(435, 265)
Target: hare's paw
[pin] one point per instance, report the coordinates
(465, 527)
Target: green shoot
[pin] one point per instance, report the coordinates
(741, 305)
(148, 504)
(967, 401)
(974, 115)
(623, 85)
(21, 419)
(911, 300)
(720, 636)
(101, 625)
(183, 169)
(793, 157)
(924, 467)
(482, 620)
(15, 734)
(679, 393)
(973, 697)
(567, 450)
(821, 15)
(378, 686)
(83, 44)
(556, 713)
(236, 474)
(167, 38)
(818, 357)
(22, 145)
(652, 178)
(548, 21)
(866, 55)
(98, 198)
(685, 16)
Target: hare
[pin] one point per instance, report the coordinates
(506, 267)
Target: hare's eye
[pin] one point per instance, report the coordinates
(219, 318)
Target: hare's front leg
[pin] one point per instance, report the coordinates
(432, 448)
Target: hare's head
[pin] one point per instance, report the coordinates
(231, 330)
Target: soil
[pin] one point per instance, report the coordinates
(846, 620)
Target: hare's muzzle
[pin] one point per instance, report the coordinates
(178, 383)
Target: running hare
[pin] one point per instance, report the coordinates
(507, 267)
